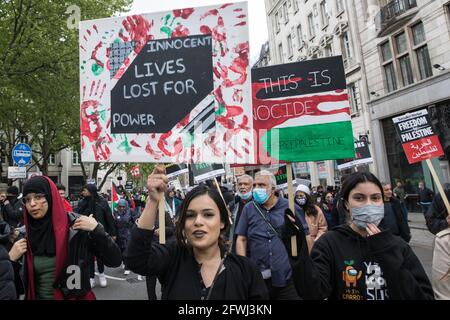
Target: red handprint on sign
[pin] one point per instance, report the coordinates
(91, 126)
(138, 29)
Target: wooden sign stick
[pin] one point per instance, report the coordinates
(162, 218)
(438, 183)
(220, 192)
(291, 205)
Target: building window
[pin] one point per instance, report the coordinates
(289, 44)
(354, 97)
(295, 5)
(339, 6)
(389, 74)
(388, 67)
(277, 22)
(280, 52)
(311, 27)
(386, 52)
(328, 50)
(347, 50)
(403, 59)
(324, 13)
(285, 12)
(75, 158)
(299, 36)
(421, 49)
(52, 159)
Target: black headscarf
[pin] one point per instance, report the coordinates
(40, 233)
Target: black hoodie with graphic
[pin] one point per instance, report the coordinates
(346, 266)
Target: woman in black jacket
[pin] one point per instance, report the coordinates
(7, 286)
(93, 203)
(58, 245)
(358, 261)
(196, 266)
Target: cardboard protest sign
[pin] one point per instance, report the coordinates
(301, 112)
(419, 141)
(167, 87)
(174, 170)
(205, 171)
(282, 178)
(362, 156)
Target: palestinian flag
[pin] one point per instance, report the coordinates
(301, 112)
(114, 196)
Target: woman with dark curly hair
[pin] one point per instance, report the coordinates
(197, 266)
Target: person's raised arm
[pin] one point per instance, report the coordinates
(156, 185)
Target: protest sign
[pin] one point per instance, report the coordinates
(419, 141)
(362, 156)
(205, 171)
(282, 178)
(301, 112)
(174, 170)
(167, 87)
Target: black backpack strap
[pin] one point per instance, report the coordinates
(265, 219)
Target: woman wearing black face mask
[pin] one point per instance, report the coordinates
(313, 215)
(358, 261)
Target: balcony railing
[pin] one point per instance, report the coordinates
(390, 12)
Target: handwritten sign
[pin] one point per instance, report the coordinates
(166, 73)
(417, 136)
(362, 156)
(301, 111)
(167, 87)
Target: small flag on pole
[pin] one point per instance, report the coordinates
(114, 196)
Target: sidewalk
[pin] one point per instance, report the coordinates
(416, 220)
(421, 241)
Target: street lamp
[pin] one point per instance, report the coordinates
(60, 166)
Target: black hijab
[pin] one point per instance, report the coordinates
(40, 233)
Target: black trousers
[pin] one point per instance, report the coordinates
(100, 266)
(287, 292)
(151, 287)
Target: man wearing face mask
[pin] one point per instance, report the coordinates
(243, 196)
(260, 230)
(13, 208)
(394, 217)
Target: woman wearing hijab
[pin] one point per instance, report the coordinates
(58, 245)
(94, 204)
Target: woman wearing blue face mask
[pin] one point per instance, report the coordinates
(358, 261)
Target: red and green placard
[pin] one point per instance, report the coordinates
(419, 141)
(301, 112)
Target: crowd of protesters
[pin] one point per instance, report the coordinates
(222, 243)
